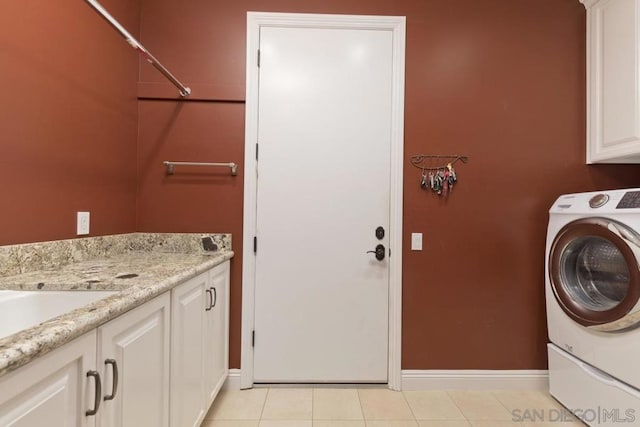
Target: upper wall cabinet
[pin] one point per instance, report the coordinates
(613, 75)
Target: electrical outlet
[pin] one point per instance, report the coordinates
(83, 223)
(416, 241)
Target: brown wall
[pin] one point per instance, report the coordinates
(68, 118)
(501, 81)
(194, 199)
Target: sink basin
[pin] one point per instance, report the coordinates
(20, 310)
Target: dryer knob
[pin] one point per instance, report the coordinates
(598, 200)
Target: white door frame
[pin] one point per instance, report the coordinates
(395, 24)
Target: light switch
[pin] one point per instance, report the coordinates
(82, 223)
(416, 241)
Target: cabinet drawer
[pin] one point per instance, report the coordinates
(591, 394)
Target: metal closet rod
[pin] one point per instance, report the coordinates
(184, 91)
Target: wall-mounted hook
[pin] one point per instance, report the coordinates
(426, 162)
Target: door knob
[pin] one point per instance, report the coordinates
(380, 252)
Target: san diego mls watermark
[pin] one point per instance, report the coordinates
(592, 416)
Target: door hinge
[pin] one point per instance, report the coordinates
(253, 338)
(258, 58)
(255, 244)
(256, 151)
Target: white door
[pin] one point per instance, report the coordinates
(324, 134)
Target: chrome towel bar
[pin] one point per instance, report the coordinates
(184, 91)
(170, 166)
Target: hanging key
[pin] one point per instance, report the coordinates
(452, 173)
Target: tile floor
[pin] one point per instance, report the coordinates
(372, 407)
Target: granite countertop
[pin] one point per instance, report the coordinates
(137, 276)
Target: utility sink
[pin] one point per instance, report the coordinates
(20, 310)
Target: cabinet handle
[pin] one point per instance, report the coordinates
(98, 396)
(114, 370)
(210, 299)
(215, 297)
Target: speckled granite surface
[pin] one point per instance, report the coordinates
(158, 261)
(25, 258)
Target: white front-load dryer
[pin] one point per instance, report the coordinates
(592, 287)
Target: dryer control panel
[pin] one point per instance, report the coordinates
(630, 200)
(606, 202)
(598, 200)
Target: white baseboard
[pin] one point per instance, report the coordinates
(233, 380)
(475, 380)
(453, 380)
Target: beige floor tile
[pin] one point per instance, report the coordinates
(555, 424)
(443, 423)
(495, 423)
(532, 406)
(286, 423)
(336, 404)
(392, 423)
(238, 405)
(564, 419)
(532, 400)
(337, 423)
(227, 423)
(288, 404)
(432, 405)
(380, 404)
(480, 405)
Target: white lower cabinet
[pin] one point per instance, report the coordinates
(158, 365)
(217, 334)
(114, 376)
(53, 390)
(133, 361)
(187, 351)
(199, 345)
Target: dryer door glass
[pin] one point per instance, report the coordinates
(594, 273)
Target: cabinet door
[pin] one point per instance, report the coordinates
(614, 73)
(188, 303)
(136, 347)
(217, 333)
(53, 390)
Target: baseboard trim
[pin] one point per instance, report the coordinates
(475, 380)
(454, 380)
(233, 380)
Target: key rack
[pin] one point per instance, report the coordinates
(434, 162)
(437, 172)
